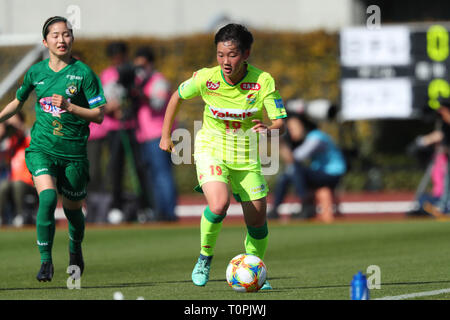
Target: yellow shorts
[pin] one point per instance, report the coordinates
(246, 185)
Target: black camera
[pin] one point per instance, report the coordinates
(130, 103)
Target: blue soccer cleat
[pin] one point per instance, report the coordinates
(266, 286)
(200, 274)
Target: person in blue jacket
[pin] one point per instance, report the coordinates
(312, 160)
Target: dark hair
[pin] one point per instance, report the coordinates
(236, 33)
(115, 48)
(53, 20)
(308, 124)
(146, 52)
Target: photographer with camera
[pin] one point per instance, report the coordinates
(118, 130)
(155, 93)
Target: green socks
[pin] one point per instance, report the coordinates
(76, 229)
(256, 240)
(210, 226)
(45, 223)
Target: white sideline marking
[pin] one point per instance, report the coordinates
(369, 207)
(416, 295)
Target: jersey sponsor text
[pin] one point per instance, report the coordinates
(231, 114)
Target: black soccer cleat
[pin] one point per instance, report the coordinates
(45, 274)
(76, 259)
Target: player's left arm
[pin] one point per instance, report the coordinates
(92, 115)
(92, 89)
(277, 125)
(275, 110)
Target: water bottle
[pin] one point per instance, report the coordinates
(358, 287)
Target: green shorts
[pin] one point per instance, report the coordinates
(72, 176)
(246, 185)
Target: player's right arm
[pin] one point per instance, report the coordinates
(173, 106)
(187, 90)
(11, 109)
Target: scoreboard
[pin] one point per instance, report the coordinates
(395, 72)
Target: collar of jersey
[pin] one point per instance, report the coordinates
(233, 85)
(72, 61)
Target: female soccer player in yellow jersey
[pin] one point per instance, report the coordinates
(226, 148)
(69, 97)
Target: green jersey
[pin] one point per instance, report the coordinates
(229, 110)
(56, 131)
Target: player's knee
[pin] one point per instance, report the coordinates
(47, 205)
(219, 208)
(72, 204)
(48, 199)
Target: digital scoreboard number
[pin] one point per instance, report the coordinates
(393, 72)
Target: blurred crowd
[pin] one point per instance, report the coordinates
(18, 198)
(137, 95)
(131, 179)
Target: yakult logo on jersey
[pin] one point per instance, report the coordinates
(250, 86)
(231, 114)
(212, 86)
(46, 106)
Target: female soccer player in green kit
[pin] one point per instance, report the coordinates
(69, 97)
(226, 148)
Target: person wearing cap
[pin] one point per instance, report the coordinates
(69, 97)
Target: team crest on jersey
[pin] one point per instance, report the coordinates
(251, 98)
(71, 90)
(250, 86)
(212, 86)
(46, 106)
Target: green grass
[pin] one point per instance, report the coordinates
(306, 261)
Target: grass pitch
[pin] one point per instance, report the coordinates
(306, 261)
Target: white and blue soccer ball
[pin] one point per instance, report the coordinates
(246, 273)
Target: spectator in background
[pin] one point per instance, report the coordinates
(97, 199)
(155, 94)
(436, 169)
(438, 204)
(5, 217)
(120, 122)
(305, 142)
(15, 189)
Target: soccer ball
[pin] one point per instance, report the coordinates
(246, 273)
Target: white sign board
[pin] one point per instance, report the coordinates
(376, 98)
(381, 47)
